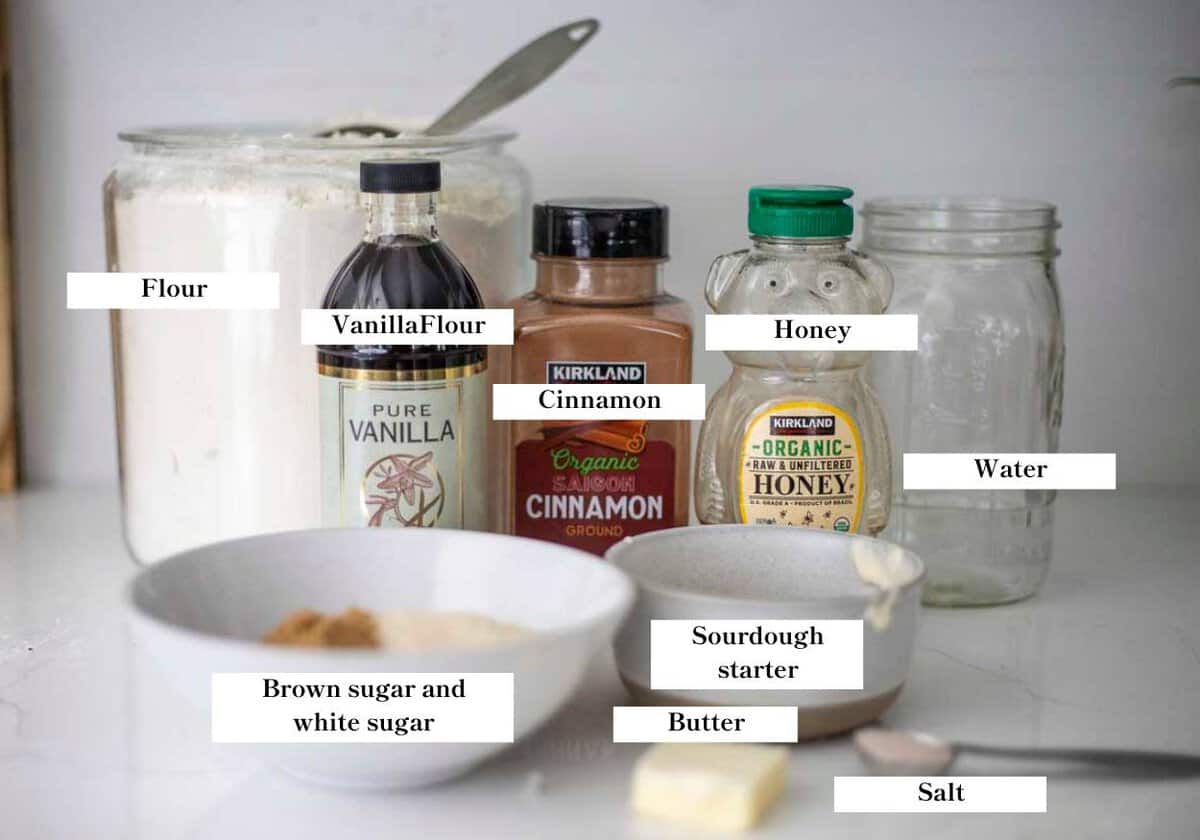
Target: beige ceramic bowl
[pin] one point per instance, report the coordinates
(770, 572)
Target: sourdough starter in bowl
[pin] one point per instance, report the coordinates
(770, 572)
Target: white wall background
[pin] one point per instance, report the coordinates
(685, 102)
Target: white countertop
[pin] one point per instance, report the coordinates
(93, 744)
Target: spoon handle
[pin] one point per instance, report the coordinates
(522, 71)
(1135, 762)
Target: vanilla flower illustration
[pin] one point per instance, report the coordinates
(407, 477)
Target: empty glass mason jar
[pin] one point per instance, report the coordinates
(987, 377)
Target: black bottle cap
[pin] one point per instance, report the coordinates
(600, 228)
(400, 176)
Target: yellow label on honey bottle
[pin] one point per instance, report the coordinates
(801, 463)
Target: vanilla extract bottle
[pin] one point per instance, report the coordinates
(403, 428)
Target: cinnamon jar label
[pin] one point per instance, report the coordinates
(408, 449)
(801, 464)
(591, 484)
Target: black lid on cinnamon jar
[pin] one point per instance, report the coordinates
(600, 228)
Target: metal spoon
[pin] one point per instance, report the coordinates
(894, 752)
(509, 80)
(518, 74)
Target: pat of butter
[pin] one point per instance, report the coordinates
(717, 786)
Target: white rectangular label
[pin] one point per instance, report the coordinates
(705, 724)
(344, 708)
(403, 453)
(747, 654)
(939, 794)
(406, 326)
(1010, 471)
(599, 402)
(810, 332)
(172, 290)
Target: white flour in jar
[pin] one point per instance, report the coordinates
(218, 409)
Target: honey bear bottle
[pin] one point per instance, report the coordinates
(796, 437)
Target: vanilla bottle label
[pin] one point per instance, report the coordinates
(801, 464)
(403, 448)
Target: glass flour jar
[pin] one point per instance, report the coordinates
(987, 377)
(217, 410)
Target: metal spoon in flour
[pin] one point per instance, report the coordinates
(895, 752)
(509, 80)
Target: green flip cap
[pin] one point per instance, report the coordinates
(801, 211)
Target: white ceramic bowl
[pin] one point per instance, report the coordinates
(770, 572)
(203, 611)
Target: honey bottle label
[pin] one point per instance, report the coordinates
(403, 448)
(801, 463)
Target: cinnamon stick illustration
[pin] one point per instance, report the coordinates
(621, 435)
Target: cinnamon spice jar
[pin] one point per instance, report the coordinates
(598, 314)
